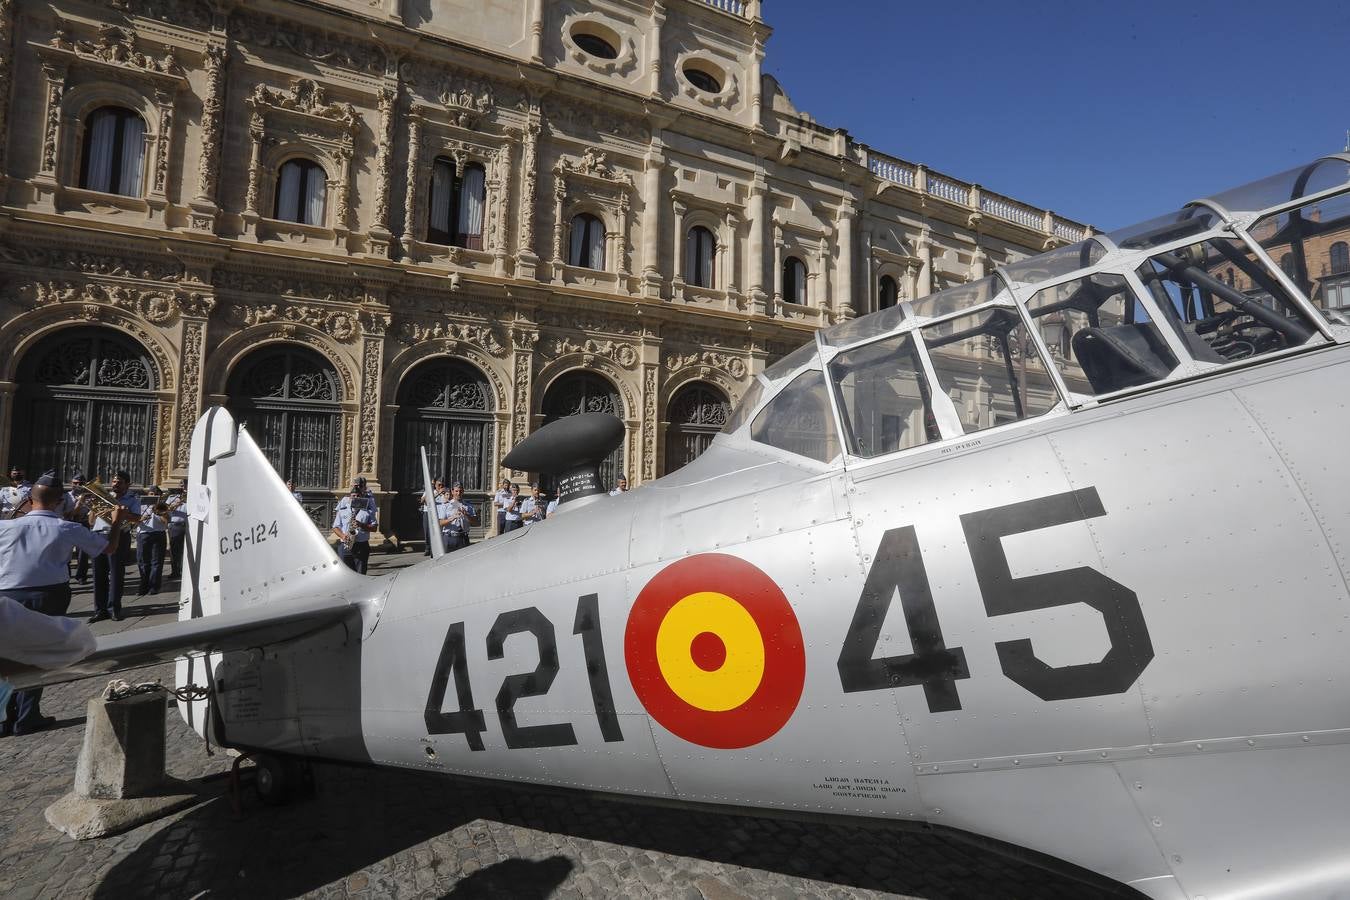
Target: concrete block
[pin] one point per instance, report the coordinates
(119, 778)
(123, 752)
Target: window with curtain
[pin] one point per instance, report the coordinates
(302, 187)
(455, 217)
(700, 249)
(114, 152)
(587, 249)
(794, 280)
(888, 293)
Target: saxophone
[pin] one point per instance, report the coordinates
(349, 539)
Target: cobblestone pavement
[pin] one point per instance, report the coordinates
(382, 833)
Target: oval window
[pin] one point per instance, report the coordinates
(595, 45)
(703, 80)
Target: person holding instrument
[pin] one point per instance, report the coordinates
(110, 568)
(455, 515)
(511, 518)
(14, 496)
(352, 524)
(152, 543)
(34, 558)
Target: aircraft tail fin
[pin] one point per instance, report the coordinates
(433, 522)
(248, 542)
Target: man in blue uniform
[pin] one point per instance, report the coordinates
(500, 501)
(110, 568)
(152, 543)
(352, 525)
(34, 558)
(455, 515)
(14, 497)
(80, 515)
(178, 523)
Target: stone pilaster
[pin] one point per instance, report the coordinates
(380, 236)
(523, 340)
(204, 209)
(527, 261)
(651, 221)
(759, 227)
(843, 304)
(410, 194)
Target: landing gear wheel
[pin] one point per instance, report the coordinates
(275, 779)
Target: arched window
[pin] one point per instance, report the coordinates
(302, 187)
(579, 392)
(114, 152)
(700, 249)
(888, 293)
(289, 398)
(1340, 257)
(587, 249)
(456, 213)
(446, 406)
(794, 280)
(86, 402)
(696, 414)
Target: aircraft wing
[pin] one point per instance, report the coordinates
(236, 630)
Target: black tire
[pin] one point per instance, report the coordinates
(273, 780)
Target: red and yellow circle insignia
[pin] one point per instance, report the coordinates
(715, 653)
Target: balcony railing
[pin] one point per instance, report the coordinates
(924, 180)
(735, 7)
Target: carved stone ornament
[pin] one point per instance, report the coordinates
(341, 326)
(260, 30)
(157, 307)
(119, 47)
(193, 14)
(281, 286)
(592, 164)
(40, 254)
(621, 353)
(483, 336)
(726, 362)
(305, 96)
(465, 100)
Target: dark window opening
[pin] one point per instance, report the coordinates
(302, 188)
(114, 152)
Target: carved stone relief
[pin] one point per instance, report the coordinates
(189, 394)
(483, 336)
(259, 30)
(616, 351)
(157, 307)
(338, 324)
(286, 286)
(372, 358)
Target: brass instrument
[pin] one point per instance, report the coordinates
(100, 502)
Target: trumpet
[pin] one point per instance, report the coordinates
(20, 506)
(101, 503)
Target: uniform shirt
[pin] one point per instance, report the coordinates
(130, 501)
(11, 497)
(457, 511)
(35, 549)
(67, 505)
(528, 508)
(552, 505)
(299, 497)
(342, 521)
(178, 520)
(501, 499)
(513, 515)
(36, 639)
(616, 492)
(151, 522)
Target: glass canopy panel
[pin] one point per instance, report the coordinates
(989, 369)
(963, 296)
(793, 361)
(753, 394)
(1312, 245)
(1165, 229)
(1224, 302)
(1100, 335)
(863, 327)
(1313, 178)
(1054, 263)
(799, 419)
(883, 397)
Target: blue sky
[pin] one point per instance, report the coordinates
(1109, 113)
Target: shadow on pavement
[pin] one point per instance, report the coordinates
(360, 818)
(518, 879)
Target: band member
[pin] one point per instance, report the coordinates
(34, 558)
(533, 509)
(80, 514)
(290, 486)
(437, 489)
(152, 543)
(14, 496)
(178, 522)
(455, 515)
(500, 501)
(621, 487)
(110, 569)
(352, 525)
(511, 513)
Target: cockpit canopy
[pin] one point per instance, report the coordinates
(1255, 272)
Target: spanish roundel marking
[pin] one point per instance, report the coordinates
(714, 652)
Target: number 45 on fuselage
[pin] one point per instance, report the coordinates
(1057, 557)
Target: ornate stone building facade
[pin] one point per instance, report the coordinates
(368, 225)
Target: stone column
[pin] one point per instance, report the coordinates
(536, 31)
(923, 247)
(51, 135)
(203, 205)
(869, 296)
(6, 74)
(523, 340)
(380, 235)
(758, 229)
(731, 267)
(621, 244)
(501, 190)
(978, 261)
(756, 84)
(678, 209)
(844, 305)
(651, 436)
(195, 311)
(527, 261)
(410, 183)
(658, 18)
(342, 212)
(559, 195)
(651, 220)
(777, 269)
(257, 128)
(157, 196)
(372, 368)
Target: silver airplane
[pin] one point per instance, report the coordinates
(1057, 558)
